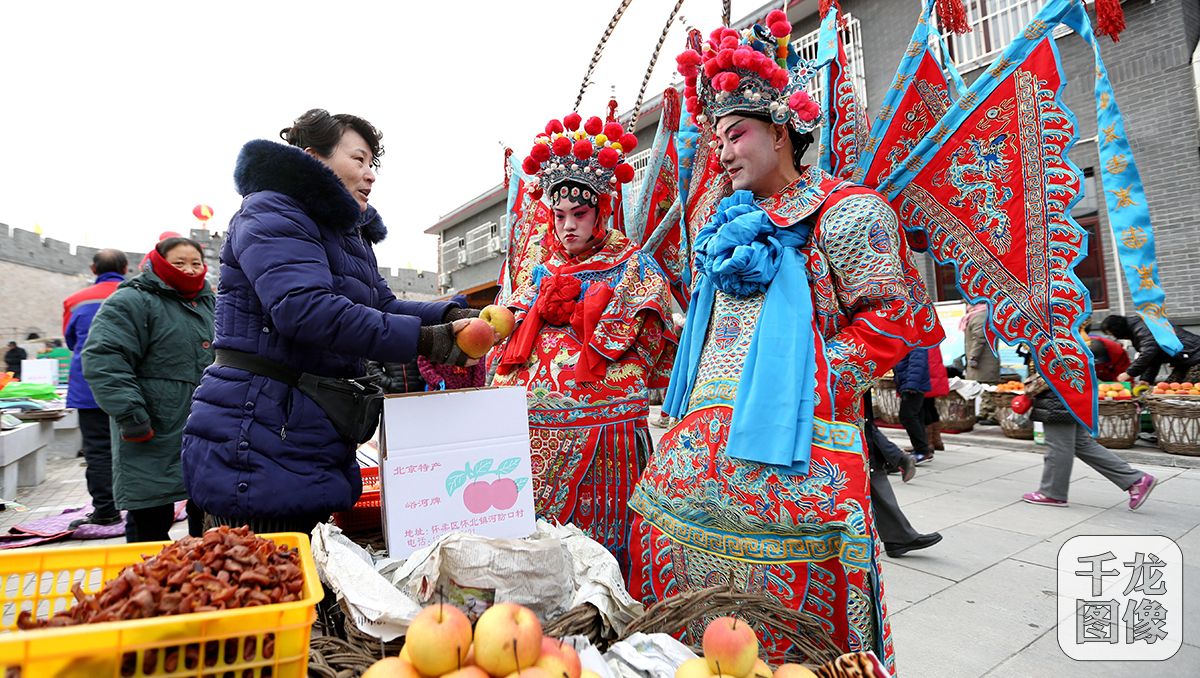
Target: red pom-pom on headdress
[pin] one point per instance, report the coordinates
(775, 16)
(780, 29)
(726, 81)
(530, 166)
(593, 126)
(540, 152)
(628, 142)
(624, 173)
(608, 158)
(572, 120)
(779, 79)
(583, 149)
(562, 146)
(554, 127)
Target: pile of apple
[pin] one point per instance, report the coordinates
(1176, 388)
(481, 333)
(1114, 391)
(731, 651)
(507, 642)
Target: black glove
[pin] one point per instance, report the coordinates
(438, 346)
(455, 313)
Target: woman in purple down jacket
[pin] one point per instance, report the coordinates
(299, 289)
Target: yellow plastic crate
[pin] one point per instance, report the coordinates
(225, 643)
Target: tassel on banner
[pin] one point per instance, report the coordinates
(823, 7)
(507, 167)
(953, 16)
(1110, 18)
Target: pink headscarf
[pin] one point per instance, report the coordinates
(972, 311)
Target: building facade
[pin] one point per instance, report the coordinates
(1155, 71)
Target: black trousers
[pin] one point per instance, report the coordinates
(912, 417)
(97, 451)
(149, 524)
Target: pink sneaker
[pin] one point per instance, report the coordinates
(1043, 500)
(1140, 490)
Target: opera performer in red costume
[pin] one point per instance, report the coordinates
(594, 334)
(803, 296)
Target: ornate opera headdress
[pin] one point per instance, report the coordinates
(581, 160)
(750, 71)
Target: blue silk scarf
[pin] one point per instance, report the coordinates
(742, 252)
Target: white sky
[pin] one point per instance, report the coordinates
(118, 117)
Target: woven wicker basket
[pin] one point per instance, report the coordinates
(957, 414)
(1010, 426)
(1118, 425)
(330, 657)
(886, 401)
(1177, 421)
(686, 615)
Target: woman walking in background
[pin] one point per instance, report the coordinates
(144, 355)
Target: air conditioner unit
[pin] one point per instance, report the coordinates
(462, 257)
(444, 280)
(494, 243)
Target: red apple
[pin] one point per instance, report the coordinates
(391, 667)
(559, 659)
(500, 318)
(730, 646)
(438, 639)
(794, 671)
(508, 637)
(694, 668)
(476, 339)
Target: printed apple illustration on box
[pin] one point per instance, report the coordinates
(480, 493)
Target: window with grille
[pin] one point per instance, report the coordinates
(482, 242)
(994, 24)
(640, 162)
(453, 254)
(806, 47)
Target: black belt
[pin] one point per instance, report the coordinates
(256, 364)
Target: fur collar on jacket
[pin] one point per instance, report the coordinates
(269, 166)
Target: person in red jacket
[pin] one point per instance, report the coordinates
(79, 309)
(1111, 358)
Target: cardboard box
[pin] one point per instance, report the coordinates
(455, 461)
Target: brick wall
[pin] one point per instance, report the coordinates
(32, 300)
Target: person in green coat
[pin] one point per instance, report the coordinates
(147, 348)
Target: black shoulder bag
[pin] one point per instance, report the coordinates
(352, 405)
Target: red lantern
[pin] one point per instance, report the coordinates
(1021, 404)
(202, 212)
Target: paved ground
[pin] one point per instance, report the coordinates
(982, 602)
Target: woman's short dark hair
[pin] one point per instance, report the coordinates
(171, 243)
(321, 131)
